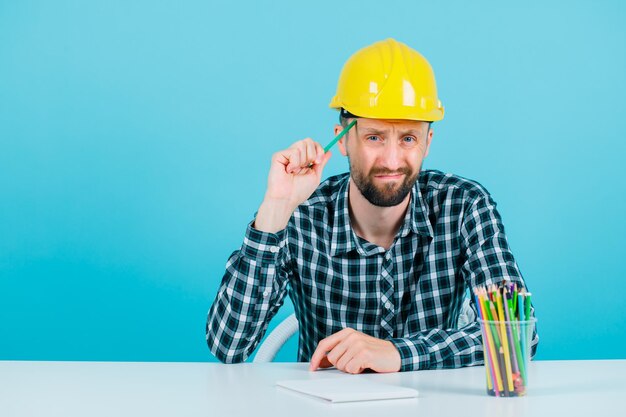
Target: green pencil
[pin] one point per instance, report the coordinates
(339, 136)
(515, 302)
(527, 306)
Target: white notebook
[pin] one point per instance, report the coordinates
(339, 390)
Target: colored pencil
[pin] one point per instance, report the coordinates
(504, 339)
(490, 354)
(491, 380)
(336, 139)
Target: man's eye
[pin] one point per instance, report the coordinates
(409, 139)
(373, 138)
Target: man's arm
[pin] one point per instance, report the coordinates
(488, 260)
(255, 283)
(252, 290)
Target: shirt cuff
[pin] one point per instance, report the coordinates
(262, 246)
(414, 354)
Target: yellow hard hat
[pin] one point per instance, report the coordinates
(388, 80)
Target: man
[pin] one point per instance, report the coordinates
(377, 262)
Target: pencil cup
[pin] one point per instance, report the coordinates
(507, 354)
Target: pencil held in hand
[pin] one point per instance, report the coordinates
(339, 136)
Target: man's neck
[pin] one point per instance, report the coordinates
(378, 225)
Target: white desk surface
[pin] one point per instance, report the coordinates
(563, 388)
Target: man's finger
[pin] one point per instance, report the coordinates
(350, 353)
(326, 345)
(315, 155)
(292, 156)
(318, 355)
(325, 363)
(311, 152)
(354, 366)
(320, 153)
(318, 168)
(336, 354)
(302, 157)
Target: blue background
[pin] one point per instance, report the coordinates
(135, 139)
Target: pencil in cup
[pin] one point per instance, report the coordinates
(494, 380)
(515, 337)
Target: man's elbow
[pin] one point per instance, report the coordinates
(224, 354)
(228, 358)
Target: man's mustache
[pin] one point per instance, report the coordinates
(384, 171)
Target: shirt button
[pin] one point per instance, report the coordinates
(273, 249)
(388, 305)
(266, 293)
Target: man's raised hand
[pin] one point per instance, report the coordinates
(294, 175)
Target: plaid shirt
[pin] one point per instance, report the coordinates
(452, 240)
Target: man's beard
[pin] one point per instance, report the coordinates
(389, 194)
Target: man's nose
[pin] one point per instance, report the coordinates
(391, 156)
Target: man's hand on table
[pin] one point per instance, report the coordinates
(353, 352)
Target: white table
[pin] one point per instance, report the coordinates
(563, 388)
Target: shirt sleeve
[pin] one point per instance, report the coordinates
(487, 260)
(252, 290)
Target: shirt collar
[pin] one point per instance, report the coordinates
(344, 238)
(416, 218)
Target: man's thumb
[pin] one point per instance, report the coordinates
(320, 167)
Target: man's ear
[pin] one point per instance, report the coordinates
(341, 143)
(430, 139)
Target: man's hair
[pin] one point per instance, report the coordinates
(345, 116)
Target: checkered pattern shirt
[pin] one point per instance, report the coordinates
(452, 240)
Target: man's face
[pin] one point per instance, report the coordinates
(385, 157)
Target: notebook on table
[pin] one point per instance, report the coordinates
(337, 390)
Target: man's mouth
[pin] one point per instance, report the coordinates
(391, 176)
